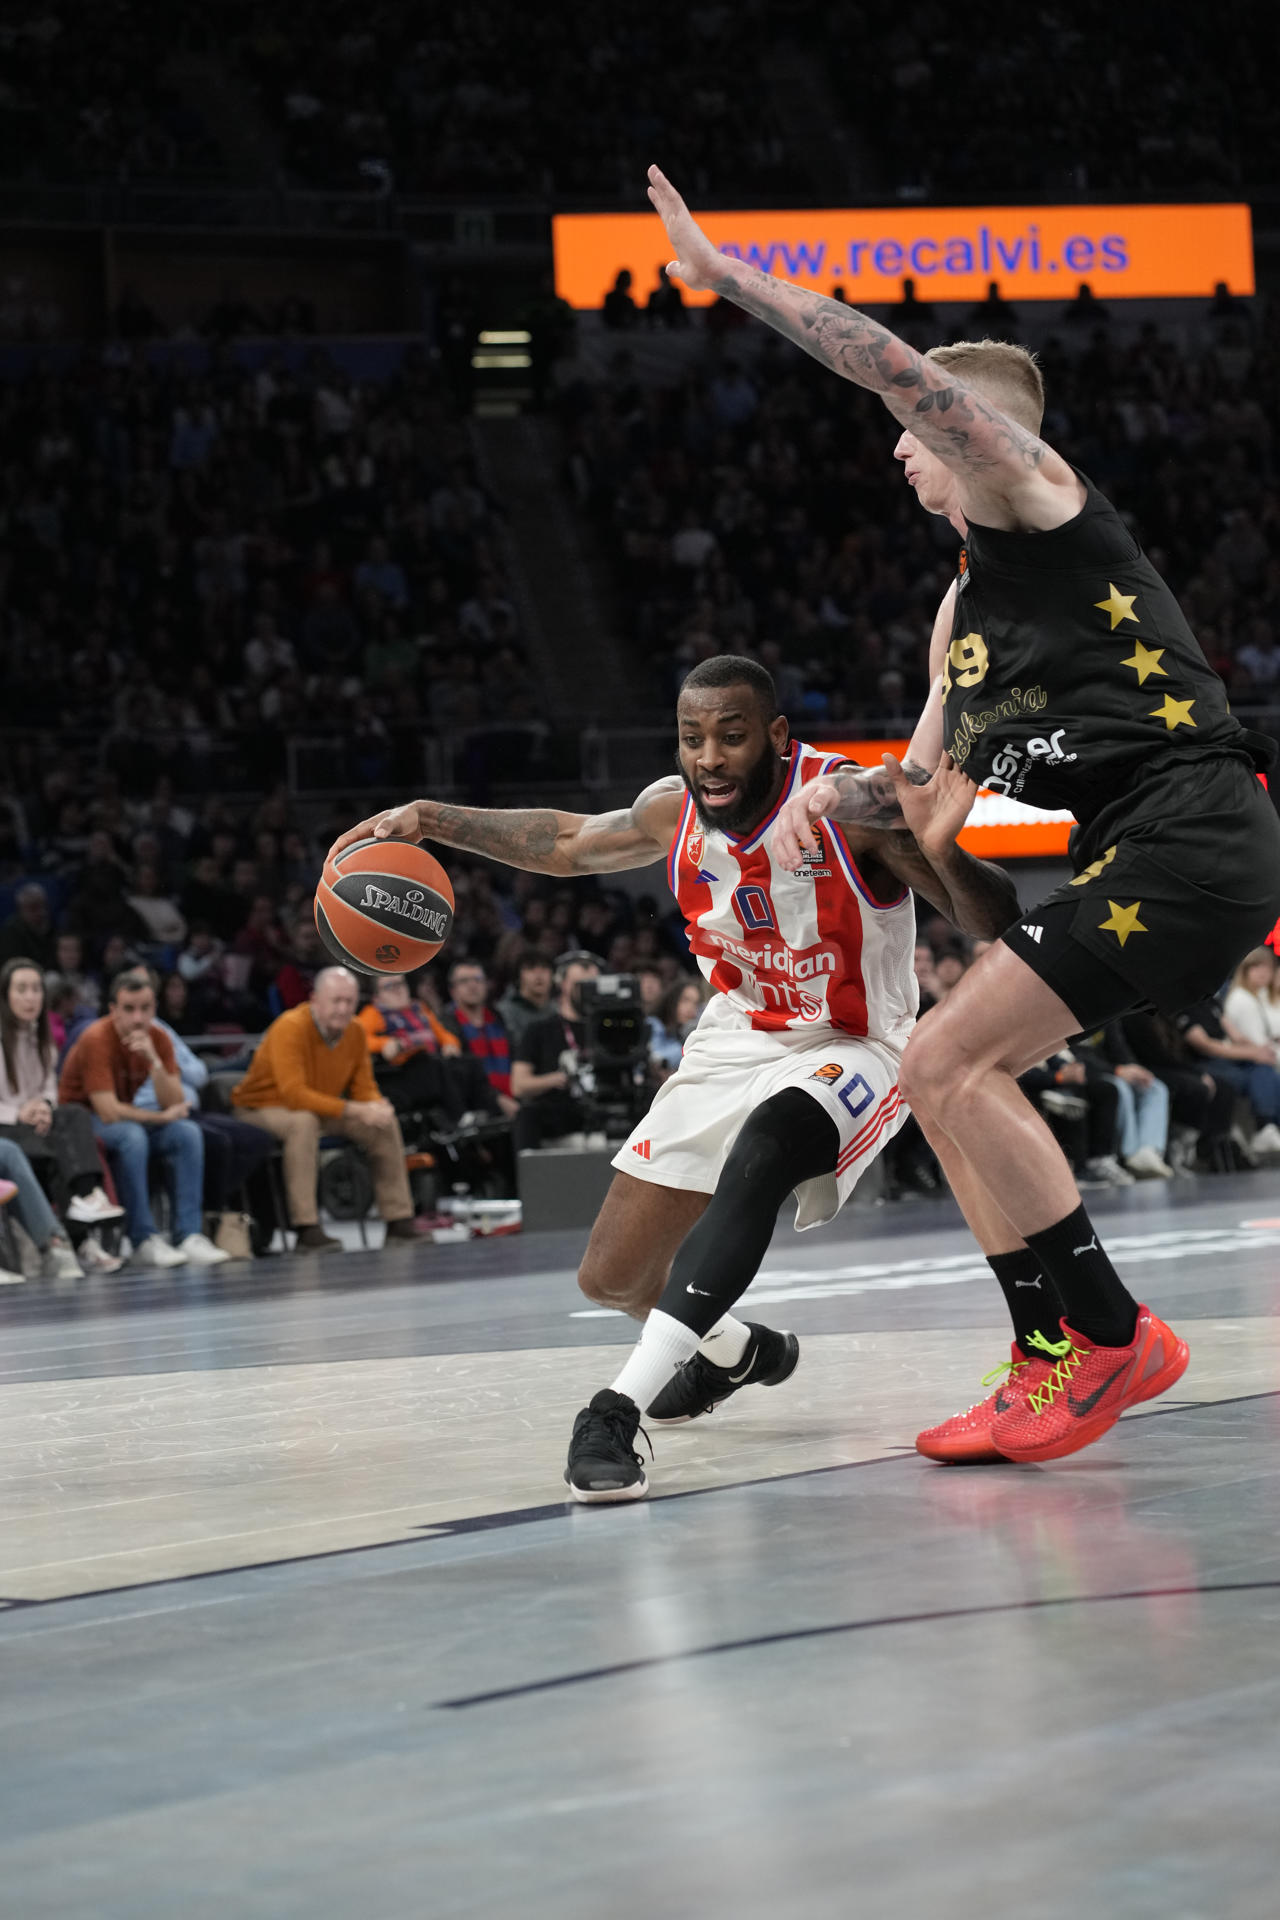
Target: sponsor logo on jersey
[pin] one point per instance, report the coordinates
(830, 1072)
(813, 861)
(411, 906)
(962, 570)
(767, 959)
(1020, 700)
(1009, 768)
(707, 878)
(695, 846)
(644, 1148)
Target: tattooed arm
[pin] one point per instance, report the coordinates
(998, 460)
(539, 839)
(977, 897)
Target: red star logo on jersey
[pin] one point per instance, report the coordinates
(694, 845)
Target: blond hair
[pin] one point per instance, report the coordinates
(1251, 960)
(999, 371)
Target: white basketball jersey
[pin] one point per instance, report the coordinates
(794, 951)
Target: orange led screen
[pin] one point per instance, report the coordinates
(998, 829)
(1036, 253)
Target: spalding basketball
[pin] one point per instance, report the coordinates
(384, 906)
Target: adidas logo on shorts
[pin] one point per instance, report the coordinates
(1034, 933)
(642, 1147)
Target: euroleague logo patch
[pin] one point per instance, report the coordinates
(830, 1072)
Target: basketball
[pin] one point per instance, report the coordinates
(384, 906)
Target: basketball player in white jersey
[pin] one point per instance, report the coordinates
(790, 1080)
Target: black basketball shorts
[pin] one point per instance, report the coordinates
(1161, 916)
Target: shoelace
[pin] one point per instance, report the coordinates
(613, 1426)
(991, 1380)
(1068, 1357)
(698, 1369)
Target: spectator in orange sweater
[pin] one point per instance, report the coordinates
(311, 1075)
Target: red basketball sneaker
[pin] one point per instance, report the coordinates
(1084, 1394)
(965, 1438)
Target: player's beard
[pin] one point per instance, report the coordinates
(757, 792)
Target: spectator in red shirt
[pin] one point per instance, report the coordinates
(480, 1029)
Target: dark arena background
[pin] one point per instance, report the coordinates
(355, 449)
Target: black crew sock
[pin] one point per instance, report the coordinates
(1095, 1301)
(1030, 1295)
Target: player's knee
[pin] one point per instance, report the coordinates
(933, 1068)
(606, 1285)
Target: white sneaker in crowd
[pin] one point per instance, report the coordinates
(58, 1261)
(1107, 1171)
(1266, 1141)
(197, 1250)
(155, 1252)
(1146, 1164)
(91, 1209)
(94, 1257)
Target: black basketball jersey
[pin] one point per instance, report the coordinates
(1072, 673)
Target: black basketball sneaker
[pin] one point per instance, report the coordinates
(603, 1463)
(700, 1387)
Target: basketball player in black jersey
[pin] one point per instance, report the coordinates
(1064, 674)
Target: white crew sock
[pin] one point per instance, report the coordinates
(663, 1346)
(726, 1343)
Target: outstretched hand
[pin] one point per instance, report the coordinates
(397, 823)
(793, 834)
(697, 262)
(935, 812)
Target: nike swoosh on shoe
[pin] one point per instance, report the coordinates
(737, 1379)
(1086, 1406)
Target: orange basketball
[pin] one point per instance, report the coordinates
(384, 906)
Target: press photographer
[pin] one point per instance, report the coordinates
(547, 1068)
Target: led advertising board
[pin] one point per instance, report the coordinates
(952, 253)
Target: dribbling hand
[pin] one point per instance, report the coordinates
(397, 823)
(697, 262)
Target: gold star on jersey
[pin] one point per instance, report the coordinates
(1174, 713)
(1119, 606)
(1145, 661)
(1123, 921)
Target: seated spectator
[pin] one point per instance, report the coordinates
(58, 1140)
(480, 1029)
(29, 929)
(310, 1076)
(35, 1216)
(408, 1044)
(529, 997)
(68, 1016)
(103, 1071)
(1144, 1102)
(1083, 1101)
(545, 1070)
(1248, 1067)
(1251, 1005)
(300, 971)
(1200, 1106)
(234, 1150)
(164, 924)
(679, 1011)
(176, 1014)
(69, 963)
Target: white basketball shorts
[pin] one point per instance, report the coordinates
(686, 1136)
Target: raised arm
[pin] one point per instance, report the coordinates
(540, 839)
(989, 450)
